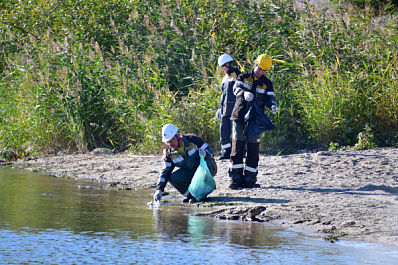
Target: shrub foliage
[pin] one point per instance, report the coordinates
(76, 75)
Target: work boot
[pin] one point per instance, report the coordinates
(188, 198)
(235, 184)
(250, 180)
(250, 185)
(225, 153)
(236, 178)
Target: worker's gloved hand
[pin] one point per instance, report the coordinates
(274, 109)
(157, 196)
(218, 114)
(248, 96)
(203, 152)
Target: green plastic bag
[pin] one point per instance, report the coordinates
(202, 183)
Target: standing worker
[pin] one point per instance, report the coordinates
(227, 103)
(252, 85)
(183, 152)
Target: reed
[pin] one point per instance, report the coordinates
(76, 76)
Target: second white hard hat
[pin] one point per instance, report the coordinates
(223, 59)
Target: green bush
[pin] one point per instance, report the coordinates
(76, 75)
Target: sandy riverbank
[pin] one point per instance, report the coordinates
(350, 194)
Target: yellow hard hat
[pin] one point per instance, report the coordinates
(264, 61)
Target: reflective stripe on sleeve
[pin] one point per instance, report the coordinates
(239, 83)
(247, 86)
(261, 91)
(204, 146)
(237, 89)
(270, 93)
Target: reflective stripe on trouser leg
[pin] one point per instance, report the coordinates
(226, 146)
(250, 174)
(181, 178)
(226, 153)
(236, 172)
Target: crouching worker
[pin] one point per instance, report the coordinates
(183, 153)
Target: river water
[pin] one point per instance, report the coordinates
(45, 220)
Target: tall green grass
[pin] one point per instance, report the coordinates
(87, 74)
(351, 73)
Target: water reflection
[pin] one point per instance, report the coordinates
(42, 203)
(52, 221)
(172, 225)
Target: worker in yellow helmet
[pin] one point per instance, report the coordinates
(249, 86)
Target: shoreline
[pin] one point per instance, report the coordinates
(350, 194)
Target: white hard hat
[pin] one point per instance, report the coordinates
(168, 132)
(223, 59)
